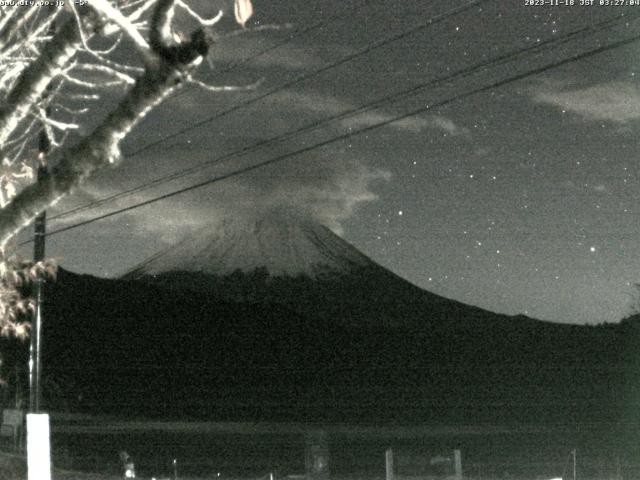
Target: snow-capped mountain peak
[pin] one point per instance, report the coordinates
(281, 244)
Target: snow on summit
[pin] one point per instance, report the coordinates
(284, 245)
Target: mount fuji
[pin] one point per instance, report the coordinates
(281, 244)
(304, 266)
(278, 318)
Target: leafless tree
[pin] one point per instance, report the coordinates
(52, 78)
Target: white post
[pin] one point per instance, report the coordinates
(38, 447)
(388, 457)
(457, 463)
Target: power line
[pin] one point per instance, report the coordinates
(299, 32)
(350, 134)
(304, 76)
(308, 75)
(229, 68)
(414, 90)
(369, 128)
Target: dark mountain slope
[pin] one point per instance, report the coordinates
(132, 348)
(280, 319)
(307, 268)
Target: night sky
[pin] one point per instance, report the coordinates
(520, 199)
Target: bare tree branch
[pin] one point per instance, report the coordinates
(102, 147)
(204, 22)
(104, 7)
(225, 88)
(34, 80)
(51, 78)
(15, 22)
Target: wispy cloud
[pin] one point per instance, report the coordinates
(613, 101)
(329, 190)
(582, 187)
(331, 105)
(249, 52)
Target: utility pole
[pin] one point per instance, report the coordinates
(35, 366)
(38, 425)
(38, 431)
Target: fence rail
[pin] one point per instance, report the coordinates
(269, 451)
